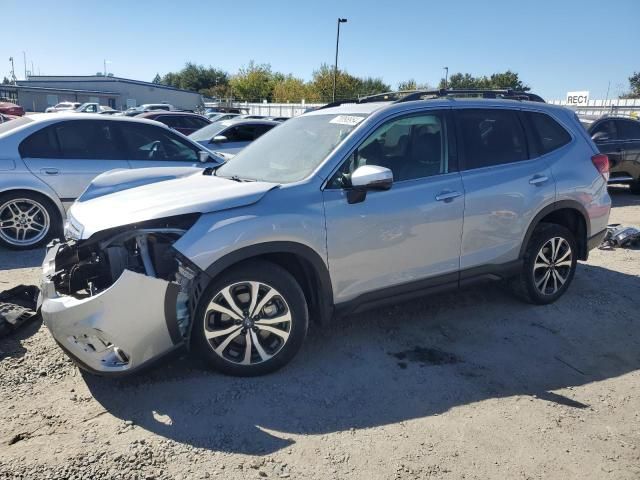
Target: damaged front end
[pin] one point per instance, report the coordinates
(121, 298)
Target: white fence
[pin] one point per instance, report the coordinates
(623, 107)
(595, 108)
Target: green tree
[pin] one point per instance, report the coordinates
(197, 78)
(291, 89)
(157, 79)
(347, 86)
(411, 84)
(371, 86)
(634, 86)
(253, 83)
(507, 79)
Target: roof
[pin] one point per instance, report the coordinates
(53, 89)
(99, 78)
(247, 121)
(157, 113)
(43, 117)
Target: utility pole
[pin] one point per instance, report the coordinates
(24, 58)
(13, 71)
(335, 67)
(446, 77)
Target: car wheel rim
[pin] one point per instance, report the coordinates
(553, 265)
(23, 222)
(247, 323)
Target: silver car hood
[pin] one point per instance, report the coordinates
(130, 196)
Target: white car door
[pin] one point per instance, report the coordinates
(69, 154)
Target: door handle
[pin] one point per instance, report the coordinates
(50, 171)
(447, 196)
(538, 180)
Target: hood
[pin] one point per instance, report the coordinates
(153, 193)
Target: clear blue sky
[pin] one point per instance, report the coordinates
(555, 45)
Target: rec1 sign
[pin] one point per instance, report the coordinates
(578, 99)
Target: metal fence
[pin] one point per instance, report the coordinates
(277, 109)
(597, 108)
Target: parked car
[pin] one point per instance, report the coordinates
(90, 107)
(619, 139)
(237, 110)
(218, 117)
(63, 107)
(231, 136)
(185, 123)
(5, 118)
(332, 212)
(48, 160)
(149, 107)
(8, 108)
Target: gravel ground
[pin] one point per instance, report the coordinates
(468, 385)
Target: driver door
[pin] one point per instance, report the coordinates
(152, 146)
(408, 236)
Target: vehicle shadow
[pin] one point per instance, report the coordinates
(14, 259)
(11, 346)
(622, 197)
(400, 363)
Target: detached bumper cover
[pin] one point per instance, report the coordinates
(118, 330)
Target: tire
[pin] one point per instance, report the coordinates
(530, 284)
(33, 229)
(634, 187)
(272, 345)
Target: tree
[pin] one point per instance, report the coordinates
(6, 81)
(196, 78)
(253, 83)
(157, 79)
(634, 86)
(411, 84)
(291, 89)
(507, 79)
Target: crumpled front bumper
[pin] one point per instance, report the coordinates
(118, 330)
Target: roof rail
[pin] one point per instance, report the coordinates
(506, 93)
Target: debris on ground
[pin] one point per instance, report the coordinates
(620, 236)
(17, 306)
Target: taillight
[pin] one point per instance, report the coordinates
(601, 162)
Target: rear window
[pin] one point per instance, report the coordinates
(628, 130)
(550, 134)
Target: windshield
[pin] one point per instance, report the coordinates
(292, 150)
(207, 133)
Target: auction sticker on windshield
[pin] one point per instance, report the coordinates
(347, 120)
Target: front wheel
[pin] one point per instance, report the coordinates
(549, 265)
(27, 220)
(251, 320)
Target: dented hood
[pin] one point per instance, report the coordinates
(117, 199)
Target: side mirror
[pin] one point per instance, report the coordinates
(368, 177)
(600, 137)
(203, 156)
(219, 139)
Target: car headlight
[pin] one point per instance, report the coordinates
(72, 228)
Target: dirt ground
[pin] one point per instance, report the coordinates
(473, 385)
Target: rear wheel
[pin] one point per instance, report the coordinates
(634, 187)
(251, 320)
(549, 265)
(27, 220)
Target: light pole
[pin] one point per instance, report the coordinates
(335, 67)
(24, 58)
(446, 76)
(105, 66)
(13, 71)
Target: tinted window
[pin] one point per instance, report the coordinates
(262, 129)
(74, 140)
(607, 127)
(491, 137)
(146, 142)
(549, 134)
(411, 147)
(241, 133)
(628, 129)
(87, 139)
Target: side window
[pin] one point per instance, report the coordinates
(491, 137)
(196, 122)
(41, 144)
(608, 128)
(549, 134)
(628, 129)
(87, 140)
(262, 129)
(241, 133)
(148, 142)
(411, 147)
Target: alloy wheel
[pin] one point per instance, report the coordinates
(552, 267)
(23, 222)
(247, 323)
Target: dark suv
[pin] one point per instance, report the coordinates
(619, 139)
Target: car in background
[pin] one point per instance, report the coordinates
(6, 118)
(8, 108)
(183, 122)
(63, 107)
(91, 107)
(52, 159)
(149, 107)
(218, 117)
(619, 139)
(231, 136)
(238, 110)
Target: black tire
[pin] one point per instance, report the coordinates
(527, 284)
(634, 187)
(289, 299)
(53, 230)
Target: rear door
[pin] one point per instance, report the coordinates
(605, 136)
(153, 146)
(69, 154)
(629, 138)
(505, 185)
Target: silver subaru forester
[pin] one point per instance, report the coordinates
(338, 210)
